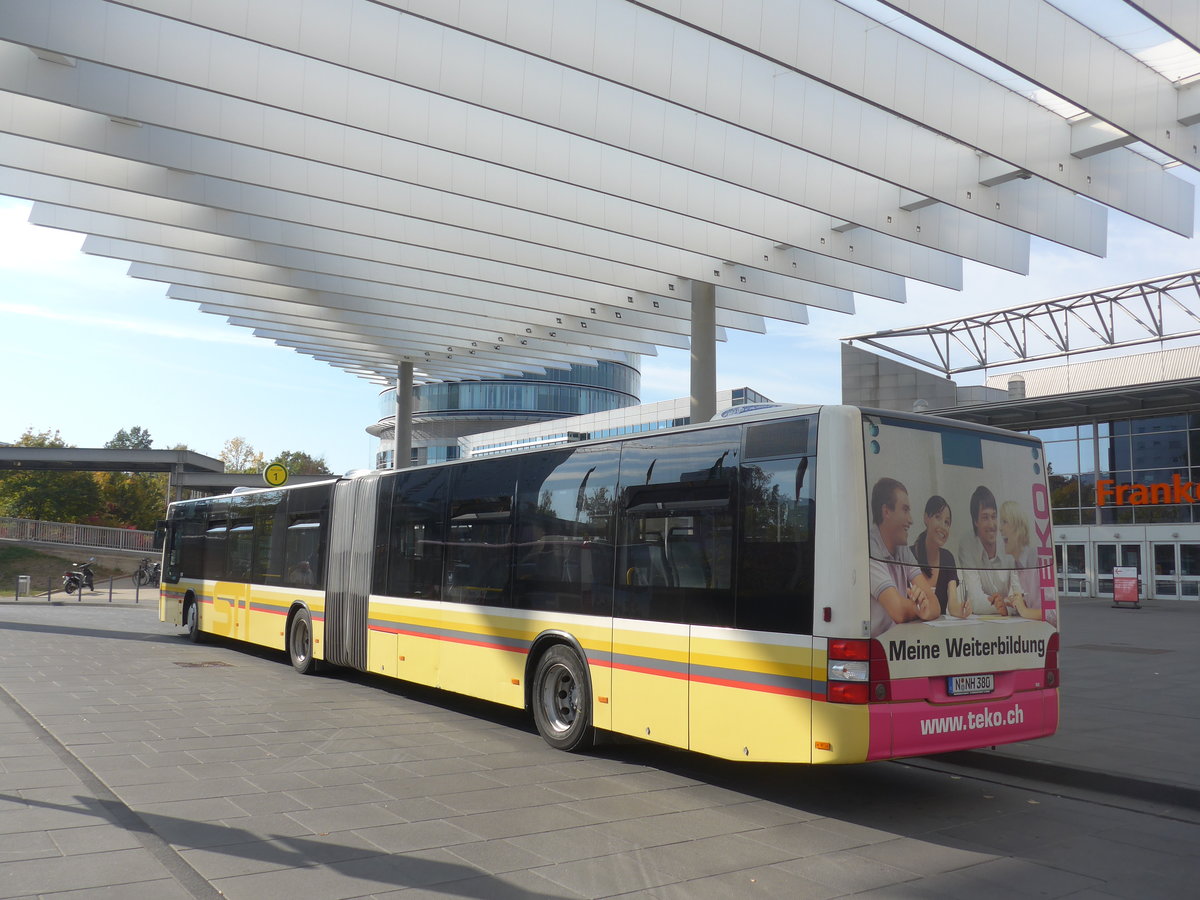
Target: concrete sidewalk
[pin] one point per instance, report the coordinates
(1130, 703)
(134, 764)
(122, 593)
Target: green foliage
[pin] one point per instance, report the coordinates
(50, 496)
(33, 438)
(136, 438)
(298, 462)
(135, 500)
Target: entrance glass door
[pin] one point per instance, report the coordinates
(1176, 571)
(1189, 571)
(1166, 572)
(1108, 557)
(1071, 562)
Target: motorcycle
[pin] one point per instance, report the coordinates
(146, 573)
(80, 577)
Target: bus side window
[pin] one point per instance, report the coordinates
(305, 538)
(270, 514)
(417, 534)
(214, 546)
(676, 535)
(480, 543)
(239, 545)
(564, 553)
(775, 564)
(191, 527)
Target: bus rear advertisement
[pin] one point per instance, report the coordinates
(788, 584)
(963, 598)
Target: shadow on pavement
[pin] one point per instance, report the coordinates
(88, 632)
(287, 852)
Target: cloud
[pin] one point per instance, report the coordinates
(224, 335)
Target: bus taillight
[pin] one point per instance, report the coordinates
(1052, 675)
(857, 672)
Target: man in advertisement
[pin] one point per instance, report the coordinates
(988, 575)
(900, 592)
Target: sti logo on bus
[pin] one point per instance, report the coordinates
(1045, 550)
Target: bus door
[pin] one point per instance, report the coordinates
(218, 598)
(752, 675)
(674, 560)
(650, 639)
(235, 590)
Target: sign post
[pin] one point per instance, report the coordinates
(275, 475)
(1125, 587)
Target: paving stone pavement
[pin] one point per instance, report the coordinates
(134, 764)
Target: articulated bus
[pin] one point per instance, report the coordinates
(786, 584)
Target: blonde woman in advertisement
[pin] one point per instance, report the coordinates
(1014, 530)
(936, 561)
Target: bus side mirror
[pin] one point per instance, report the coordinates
(160, 534)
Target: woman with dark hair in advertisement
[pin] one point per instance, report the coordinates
(936, 561)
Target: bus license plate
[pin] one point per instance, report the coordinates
(959, 685)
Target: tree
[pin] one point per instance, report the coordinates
(49, 496)
(136, 500)
(129, 499)
(136, 438)
(297, 462)
(240, 457)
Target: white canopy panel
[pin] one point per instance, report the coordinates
(493, 187)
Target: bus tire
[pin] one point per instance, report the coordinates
(300, 643)
(561, 700)
(191, 622)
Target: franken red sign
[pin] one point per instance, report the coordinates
(1108, 492)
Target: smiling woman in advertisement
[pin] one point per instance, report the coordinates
(936, 561)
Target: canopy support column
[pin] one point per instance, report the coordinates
(402, 454)
(704, 352)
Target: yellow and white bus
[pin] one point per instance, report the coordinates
(758, 587)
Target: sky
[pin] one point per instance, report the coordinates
(87, 351)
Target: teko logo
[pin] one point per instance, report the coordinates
(1045, 551)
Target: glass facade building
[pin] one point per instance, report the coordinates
(445, 411)
(1145, 451)
(1124, 492)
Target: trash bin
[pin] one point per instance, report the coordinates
(23, 589)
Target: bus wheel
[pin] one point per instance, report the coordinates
(191, 622)
(300, 643)
(561, 700)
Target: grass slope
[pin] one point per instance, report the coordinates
(40, 567)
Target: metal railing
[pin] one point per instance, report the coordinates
(92, 536)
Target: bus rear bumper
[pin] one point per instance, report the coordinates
(920, 728)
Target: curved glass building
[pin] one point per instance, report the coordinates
(445, 411)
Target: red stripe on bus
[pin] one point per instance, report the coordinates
(722, 682)
(448, 639)
(751, 686)
(644, 670)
